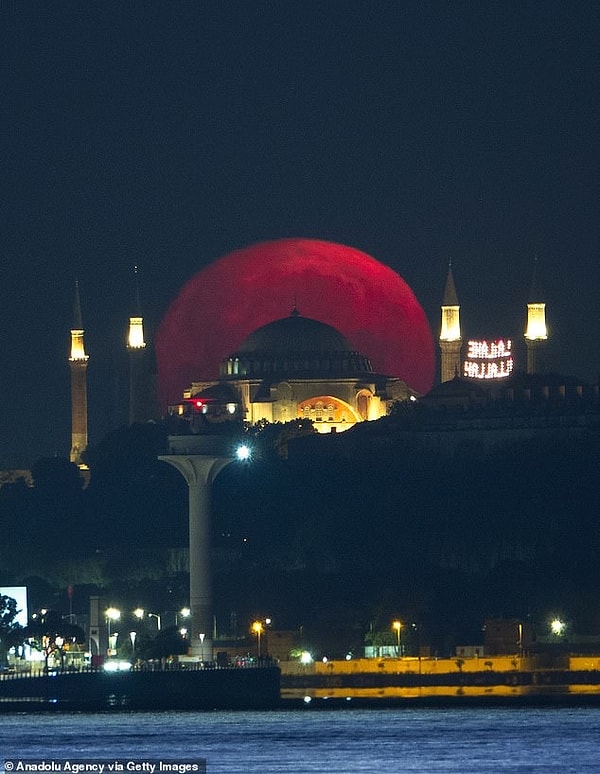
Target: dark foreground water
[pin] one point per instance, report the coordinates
(334, 741)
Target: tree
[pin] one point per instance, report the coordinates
(9, 628)
(50, 632)
(273, 437)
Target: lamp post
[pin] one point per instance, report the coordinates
(139, 612)
(185, 612)
(111, 614)
(113, 641)
(397, 627)
(257, 628)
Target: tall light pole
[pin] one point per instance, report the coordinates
(397, 627)
(185, 612)
(257, 628)
(111, 614)
(139, 612)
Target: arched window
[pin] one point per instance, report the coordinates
(362, 404)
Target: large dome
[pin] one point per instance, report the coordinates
(295, 345)
(295, 334)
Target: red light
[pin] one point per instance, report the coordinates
(199, 404)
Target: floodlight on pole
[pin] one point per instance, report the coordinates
(257, 628)
(397, 627)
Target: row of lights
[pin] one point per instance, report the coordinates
(113, 614)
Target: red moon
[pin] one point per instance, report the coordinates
(221, 305)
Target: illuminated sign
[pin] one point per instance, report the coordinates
(489, 359)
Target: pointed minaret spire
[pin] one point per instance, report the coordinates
(78, 361)
(135, 340)
(450, 336)
(536, 332)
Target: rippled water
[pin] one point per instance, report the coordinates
(334, 741)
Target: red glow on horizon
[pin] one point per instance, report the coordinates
(221, 305)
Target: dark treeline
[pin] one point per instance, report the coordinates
(331, 547)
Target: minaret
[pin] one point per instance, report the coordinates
(78, 362)
(136, 346)
(536, 333)
(450, 338)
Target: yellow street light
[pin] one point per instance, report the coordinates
(397, 627)
(258, 629)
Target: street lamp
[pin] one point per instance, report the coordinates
(111, 614)
(139, 612)
(185, 612)
(557, 627)
(397, 627)
(257, 628)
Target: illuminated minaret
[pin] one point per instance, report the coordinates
(78, 362)
(450, 338)
(136, 346)
(536, 333)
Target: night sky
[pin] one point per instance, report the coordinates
(167, 134)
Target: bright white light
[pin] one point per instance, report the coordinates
(136, 333)
(243, 452)
(305, 657)
(113, 613)
(557, 626)
(536, 322)
(307, 700)
(115, 665)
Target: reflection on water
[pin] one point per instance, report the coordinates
(322, 740)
